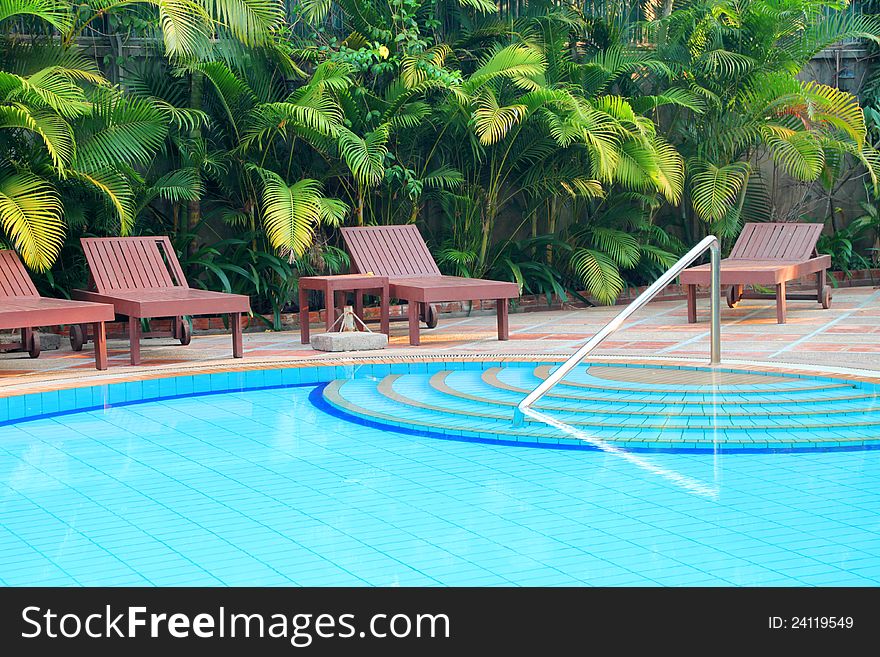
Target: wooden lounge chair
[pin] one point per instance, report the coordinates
(769, 254)
(400, 253)
(23, 308)
(142, 278)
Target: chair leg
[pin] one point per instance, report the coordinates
(100, 338)
(237, 348)
(780, 303)
(359, 304)
(330, 307)
(501, 312)
(339, 299)
(413, 315)
(820, 286)
(303, 315)
(385, 320)
(692, 303)
(134, 339)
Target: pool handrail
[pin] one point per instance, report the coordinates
(711, 243)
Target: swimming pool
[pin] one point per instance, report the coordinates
(342, 476)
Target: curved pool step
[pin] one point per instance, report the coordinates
(464, 404)
(626, 378)
(468, 385)
(412, 391)
(522, 382)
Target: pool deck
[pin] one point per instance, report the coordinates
(845, 336)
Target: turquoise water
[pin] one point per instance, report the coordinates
(265, 487)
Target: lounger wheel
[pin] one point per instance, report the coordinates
(77, 337)
(732, 297)
(186, 334)
(430, 315)
(34, 347)
(826, 298)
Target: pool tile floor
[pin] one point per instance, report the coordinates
(263, 488)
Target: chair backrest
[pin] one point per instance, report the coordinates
(14, 279)
(777, 241)
(132, 263)
(393, 251)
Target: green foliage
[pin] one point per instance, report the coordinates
(548, 146)
(841, 246)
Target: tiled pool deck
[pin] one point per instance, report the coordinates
(844, 336)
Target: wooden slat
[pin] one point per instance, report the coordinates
(97, 270)
(804, 247)
(795, 244)
(396, 245)
(14, 279)
(157, 265)
(776, 241)
(782, 238)
(390, 251)
(151, 276)
(741, 246)
(173, 263)
(135, 264)
(131, 263)
(423, 259)
(119, 280)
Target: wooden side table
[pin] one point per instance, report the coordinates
(331, 286)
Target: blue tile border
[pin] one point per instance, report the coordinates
(19, 409)
(316, 397)
(33, 406)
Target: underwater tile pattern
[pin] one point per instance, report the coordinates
(785, 413)
(262, 487)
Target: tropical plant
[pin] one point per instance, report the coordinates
(841, 246)
(562, 146)
(741, 61)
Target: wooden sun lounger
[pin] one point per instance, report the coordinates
(23, 308)
(769, 254)
(142, 278)
(400, 253)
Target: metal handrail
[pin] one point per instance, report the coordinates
(711, 243)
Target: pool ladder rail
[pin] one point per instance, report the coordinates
(709, 243)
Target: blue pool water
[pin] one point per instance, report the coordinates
(279, 486)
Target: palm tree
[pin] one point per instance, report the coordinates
(62, 126)
(742, 59)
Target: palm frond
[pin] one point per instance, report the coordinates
(179, 185)
(121, 130)
(799, 153)
(54, 12)
(365, 156)
(598, 273)
(672, 96)
(55, 133)
(115, 188)
(491, 122)
(443, 177)
(251, 21)
(521, 64)
(715, 190)
(669, 174)
(186, 27)
(621, 247)
(332, 211)
(291, 212)
(32, 217)
(637, 165)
